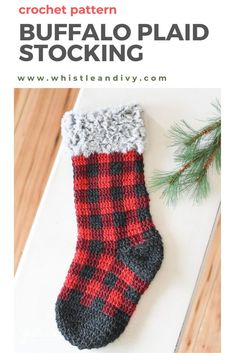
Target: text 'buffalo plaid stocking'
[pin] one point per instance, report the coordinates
(118, 249)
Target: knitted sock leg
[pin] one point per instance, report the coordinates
(118, 249)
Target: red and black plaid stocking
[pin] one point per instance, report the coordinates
(118, 249)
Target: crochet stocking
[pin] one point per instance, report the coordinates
(118, 249)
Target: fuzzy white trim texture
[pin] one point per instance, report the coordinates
(117, 129)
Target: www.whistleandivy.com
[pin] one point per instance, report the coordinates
(91, 78)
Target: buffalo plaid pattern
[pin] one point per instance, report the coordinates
(118, 249)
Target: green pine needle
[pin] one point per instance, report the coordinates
(197, 151)
(169, 182)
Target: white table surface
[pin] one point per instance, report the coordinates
(186, 228)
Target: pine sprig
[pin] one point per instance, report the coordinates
(197, 151)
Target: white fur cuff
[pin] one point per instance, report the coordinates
(119, 129)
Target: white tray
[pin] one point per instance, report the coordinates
(186, 229)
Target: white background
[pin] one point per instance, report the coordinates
(212, 66)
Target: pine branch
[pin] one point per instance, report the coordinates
(183, 134)
(197, 151)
